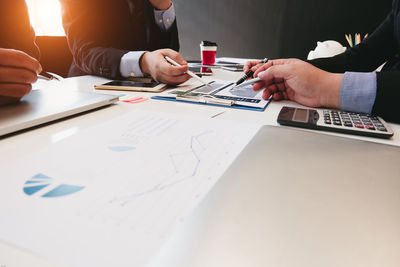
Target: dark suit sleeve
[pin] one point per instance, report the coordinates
(15, 28)
(98, 34)
(380, 47)
(367, 56)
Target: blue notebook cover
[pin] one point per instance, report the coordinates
(233, 106)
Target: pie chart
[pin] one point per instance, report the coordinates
(40, 183)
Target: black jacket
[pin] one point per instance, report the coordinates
(15, 29)
(100, 32)
(383, 45)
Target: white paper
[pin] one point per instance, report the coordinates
(128, 183)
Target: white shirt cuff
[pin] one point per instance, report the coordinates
(129, 65)
(165, 18)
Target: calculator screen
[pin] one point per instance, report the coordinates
(300, 115)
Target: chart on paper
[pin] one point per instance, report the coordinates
(136, 177)
(165, 167)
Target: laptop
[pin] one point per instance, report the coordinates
(296, 198)
(43, 106)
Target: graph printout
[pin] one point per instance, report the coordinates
(110, 195)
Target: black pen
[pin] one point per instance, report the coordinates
(250, 73)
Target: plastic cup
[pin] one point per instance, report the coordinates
(208, 52)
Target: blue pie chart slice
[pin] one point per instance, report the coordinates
(63, 190)
(33, 189)
(40, 181)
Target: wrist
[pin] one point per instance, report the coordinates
(330, 93)
(143, 63)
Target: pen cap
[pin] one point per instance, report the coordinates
(208, 52)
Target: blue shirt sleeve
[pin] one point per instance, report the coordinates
(129, 65)
(358, 92)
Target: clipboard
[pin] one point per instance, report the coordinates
(218, 95)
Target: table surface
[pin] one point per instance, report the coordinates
(13, 147)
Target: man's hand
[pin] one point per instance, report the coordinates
(161, 4)
(154, 64)
(299, 81)
(17, 72)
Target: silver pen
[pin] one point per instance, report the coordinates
(246, 83)
(173, 62)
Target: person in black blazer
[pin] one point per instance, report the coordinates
(321, 82)
(103, 36)
(19, 66)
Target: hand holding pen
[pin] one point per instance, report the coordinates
(250, 68)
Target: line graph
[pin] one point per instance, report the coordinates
(162, 166)
(185, 162)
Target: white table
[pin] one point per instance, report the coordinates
(15, 146)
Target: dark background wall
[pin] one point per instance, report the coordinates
(273, 28)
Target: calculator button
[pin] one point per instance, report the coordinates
(370, 127)
(382, 129)
(348, 124)
(359, 125)
(337, 123)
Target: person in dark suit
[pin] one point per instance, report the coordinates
(346, 81)
(19, 66)
(123, 38)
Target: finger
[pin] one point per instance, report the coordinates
(14, 90)
(273, 88)
(278, 96)
(19, 59)
(17, 75)
(262, 68)
(275, 73)
(249, 65)
(4, 100)
(255, 68)
(266, 94)
(278, 80)
(259, 86)
(275, 62)
(175, 56)
(170, 70)
(279, 86)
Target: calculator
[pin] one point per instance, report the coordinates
(335, 121)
